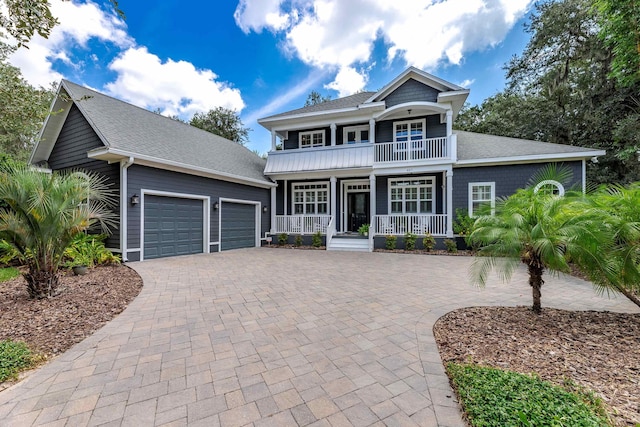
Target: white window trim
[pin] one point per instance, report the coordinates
(432, 184)
(357, 130)
(553, 182)
(311, 133)
(470, 195)
(293, 196)
(408, 123)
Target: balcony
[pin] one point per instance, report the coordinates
(362, 156)
(412, 151)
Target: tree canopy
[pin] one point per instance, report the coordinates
(22, 19)
(23, 109)
(314, 98)
(223, 122)
(561, 89)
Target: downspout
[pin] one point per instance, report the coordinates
(124, 165)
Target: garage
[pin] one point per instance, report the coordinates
(172, 226)
(238, 225)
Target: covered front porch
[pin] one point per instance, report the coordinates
(387, 204)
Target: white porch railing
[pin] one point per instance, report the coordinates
(399, 224)
(302, 224)
(422, 149)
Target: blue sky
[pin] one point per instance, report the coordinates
(262, 57)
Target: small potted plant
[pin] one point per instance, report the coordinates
(80, 264)
(364, 230)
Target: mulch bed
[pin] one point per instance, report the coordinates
(596, 350)
(303, 247)
(423, 252)
(85, 303)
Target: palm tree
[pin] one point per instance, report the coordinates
(619, 210)
(537, 228)
(45, 212)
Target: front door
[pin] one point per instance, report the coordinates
(357, 210)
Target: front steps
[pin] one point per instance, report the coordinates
(347, 242)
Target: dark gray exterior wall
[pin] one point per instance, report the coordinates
(143, 177)
(435, 129)
(411, 90)
(76, 138)
(508, 179)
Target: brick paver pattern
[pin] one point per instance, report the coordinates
(269, 337)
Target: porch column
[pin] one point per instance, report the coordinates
(286, 199)
(273, 140)
(449, 203)
(333, 134)
(449, 122)
(372, 131)
(273, 210)
(372, 198)
(334, 199)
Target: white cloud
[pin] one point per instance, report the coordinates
(176, 87)
(79, 22)
(466, 83)
(334, 34)
(348, 81)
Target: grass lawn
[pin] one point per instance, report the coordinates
(8, 273)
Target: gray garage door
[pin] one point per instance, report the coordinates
(238, 226)
(172, 226)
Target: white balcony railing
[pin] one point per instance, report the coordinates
(302, 224)
(399, 224)
(422, 149)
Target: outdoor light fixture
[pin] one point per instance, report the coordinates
(216, 206)
(135, 199)
(265, 209)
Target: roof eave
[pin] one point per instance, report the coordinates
(423, 76)
(111, 155)
(537, 158)
(270, 123)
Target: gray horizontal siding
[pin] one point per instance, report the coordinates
(508, 179)
(411, 90)
(435, 129)
(76, 138)
(382, 191)
(143, 177)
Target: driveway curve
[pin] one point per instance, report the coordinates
(271, 337)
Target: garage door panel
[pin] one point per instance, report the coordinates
(172, 226)
(238, 225)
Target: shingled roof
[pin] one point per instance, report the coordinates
(479, 147)
(351, 101)
(123, 127)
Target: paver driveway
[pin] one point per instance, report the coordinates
(271, 337)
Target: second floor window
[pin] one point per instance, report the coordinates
(356, 134)
(413, 130)
(313, 138)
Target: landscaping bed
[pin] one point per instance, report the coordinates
(595, 350)
(85, 303)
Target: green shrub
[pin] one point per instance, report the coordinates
(8, 273)
(15, 356)
(410, 241)
(283, 238)
(298, 240)
(428, 242)
(451, 245)
(316, 239)
(390, 242)
(9, 255)
(463, 225)
(89, 250)
(493, 397)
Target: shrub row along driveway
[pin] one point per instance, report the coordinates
(275, 338)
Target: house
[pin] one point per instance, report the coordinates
(180, 190)
(391, 159)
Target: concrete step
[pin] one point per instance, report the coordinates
(345, 244)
